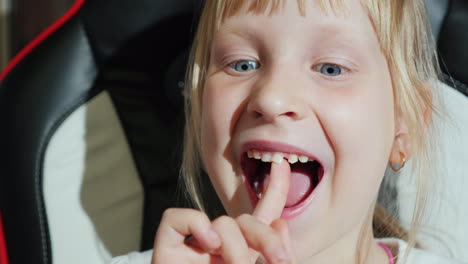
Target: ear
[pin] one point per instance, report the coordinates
(402, 147)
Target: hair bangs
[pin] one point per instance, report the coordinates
(228, 8)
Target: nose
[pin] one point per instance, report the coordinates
(276, 98)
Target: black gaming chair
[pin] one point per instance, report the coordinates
(135, 52)
(453, 40)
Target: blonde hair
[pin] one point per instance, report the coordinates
(412, 62)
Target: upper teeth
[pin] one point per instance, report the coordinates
(276, 157)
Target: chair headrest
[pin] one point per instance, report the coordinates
(111, 23)
(453, 44)
(437, 10)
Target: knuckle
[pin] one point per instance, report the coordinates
(224, 221)
(241, 259)
(271, 241)
(181, 213)
(199, 219)
(170, 213)
(244, 217)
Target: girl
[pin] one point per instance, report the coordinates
(294, 110)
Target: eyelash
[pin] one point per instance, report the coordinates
(317, 68)
(233, 64)
(343, 70)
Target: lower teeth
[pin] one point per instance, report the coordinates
(257, 189)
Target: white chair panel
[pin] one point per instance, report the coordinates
(93, 195)
(445, 230)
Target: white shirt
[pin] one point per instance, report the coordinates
(416, 256)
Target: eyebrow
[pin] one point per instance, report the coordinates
(244, 33)
(248, 32)
(342, 34)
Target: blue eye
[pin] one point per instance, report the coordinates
(331, 69)
(244, 65)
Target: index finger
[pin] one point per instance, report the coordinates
(176, 224)
(273, 200)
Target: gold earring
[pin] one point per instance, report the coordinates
(403, 161)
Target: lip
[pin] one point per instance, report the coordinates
(269, 146)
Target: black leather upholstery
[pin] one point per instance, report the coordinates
(34, 99)
(142, 64)
(453, 45)
(134, 50)
(437, 11)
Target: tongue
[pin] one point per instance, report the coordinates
(299, 186)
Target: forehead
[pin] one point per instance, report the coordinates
(228, 8)
(232, 7)
(326, 10)
(331, 17)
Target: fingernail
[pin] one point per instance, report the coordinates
(282, 256)
(215, 240)
(213, 236)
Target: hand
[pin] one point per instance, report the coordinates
(229, 240)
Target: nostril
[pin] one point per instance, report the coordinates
(290, 114)
(257, 114)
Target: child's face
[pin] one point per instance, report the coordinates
(317, 85)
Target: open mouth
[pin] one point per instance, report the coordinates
(306, 174)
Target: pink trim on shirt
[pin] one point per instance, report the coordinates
(389, 253)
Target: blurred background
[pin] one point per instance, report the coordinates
(22, 20)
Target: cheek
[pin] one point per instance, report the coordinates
(365, 124)
(219, 112)
(362, 132)
(212, 122)
(220, 107)
(363, 119)
(360, 127)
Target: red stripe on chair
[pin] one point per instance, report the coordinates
(17, 59)
(3, 250)
(41, 37)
